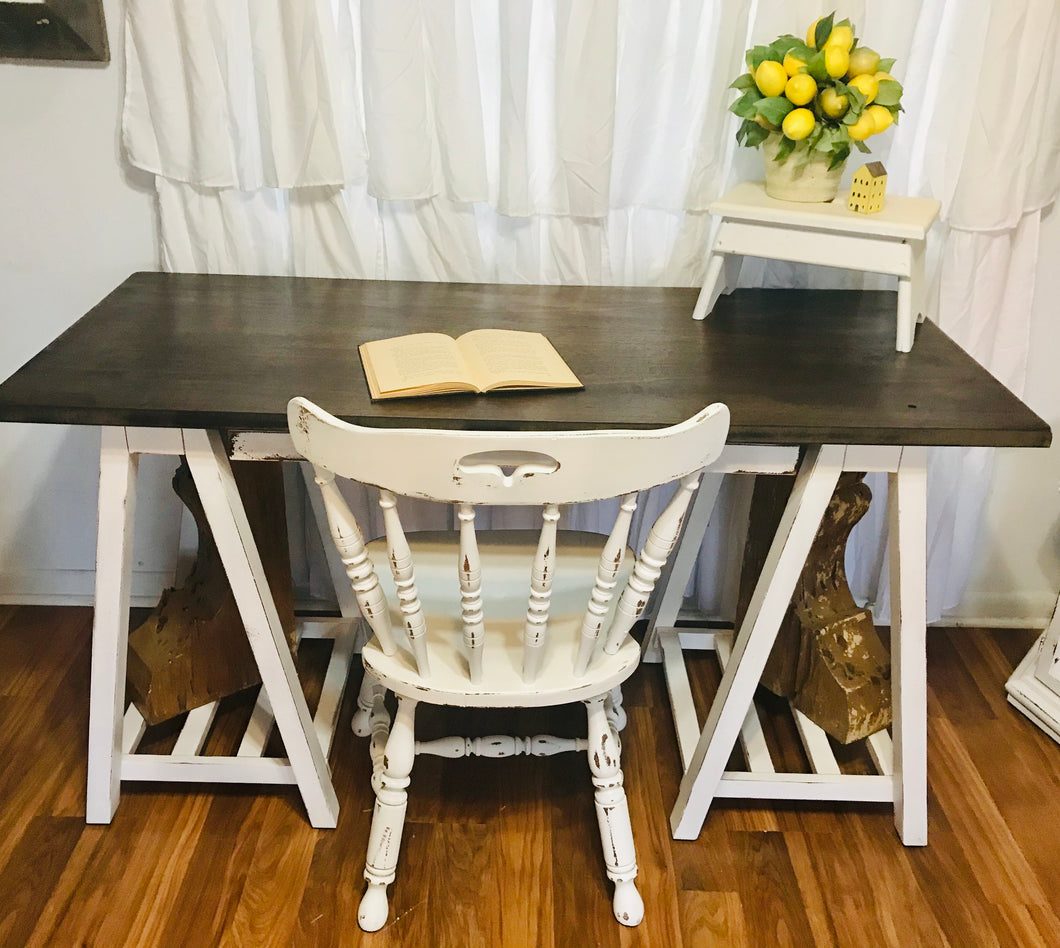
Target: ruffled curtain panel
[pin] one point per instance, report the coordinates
(581, 141)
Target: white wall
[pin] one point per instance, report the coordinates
(74, 222)
(1017, 572)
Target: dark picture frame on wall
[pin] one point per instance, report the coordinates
(53, 29)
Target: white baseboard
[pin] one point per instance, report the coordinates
(71, 587)
(76, 588)
(1017, 610)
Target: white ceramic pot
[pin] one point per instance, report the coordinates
(802, 176)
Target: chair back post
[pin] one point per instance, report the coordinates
(347, 538)
(657, 549)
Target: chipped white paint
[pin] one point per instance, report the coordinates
(902, 758)
(515, 624)
(115, 733)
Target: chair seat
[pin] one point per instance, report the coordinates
(505, 556)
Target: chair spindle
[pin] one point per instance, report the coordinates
(501, 745)
(535, 629)
(657, 548)
(611, 558)
(350, 544)
(400, 557)
(471, 591)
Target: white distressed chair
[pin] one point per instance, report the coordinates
(501, 619)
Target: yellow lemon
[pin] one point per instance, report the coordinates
(798, 123)
(866, 85)
(862, 128)
(881, 117)
(801, 89)
(771, 78)
(863, 61)
(810, 38)
(832, 103)
(792, 64)
(881, 76)
(836, 61)
(841, 36)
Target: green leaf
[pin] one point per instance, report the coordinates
(782, 45)
(840, 87)
(856, 98)
(785, 148)
(743, 82)
(839, 154)
(828, 138)
(886, 65)
(824, 30)
(800, 50)
(751, 134)
(890, 93)
(745, 105)
(774, 108)
(816, 67)
(757, 56)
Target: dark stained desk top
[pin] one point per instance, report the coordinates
(794, 366)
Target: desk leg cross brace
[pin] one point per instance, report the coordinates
(108, 763)
(906, 787)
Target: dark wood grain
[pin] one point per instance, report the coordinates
(794, 367)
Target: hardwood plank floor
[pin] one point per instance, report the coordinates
(506, 853)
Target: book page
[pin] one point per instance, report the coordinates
(500, 358)
(417, 361)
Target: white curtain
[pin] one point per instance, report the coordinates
(581, 141)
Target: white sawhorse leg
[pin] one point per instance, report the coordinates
(907, 514)
(110, 623)
(814, 484)
(212, 474)
(906, 787)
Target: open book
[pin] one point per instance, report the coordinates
(432, 363)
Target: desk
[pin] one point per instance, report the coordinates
(204, 365)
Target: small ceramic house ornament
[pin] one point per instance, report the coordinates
(867, 188)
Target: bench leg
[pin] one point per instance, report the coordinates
(723, 270)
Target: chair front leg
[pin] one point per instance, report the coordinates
(616, 714)
(612, 813)
(388, 819)
(361, 723)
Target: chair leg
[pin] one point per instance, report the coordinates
(616, 833)
(616, 714)
(384, 841)
(360, 722)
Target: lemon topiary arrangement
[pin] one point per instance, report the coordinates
(808, 102)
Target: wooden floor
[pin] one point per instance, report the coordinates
(505, 853)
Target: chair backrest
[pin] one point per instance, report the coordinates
(472, 468)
